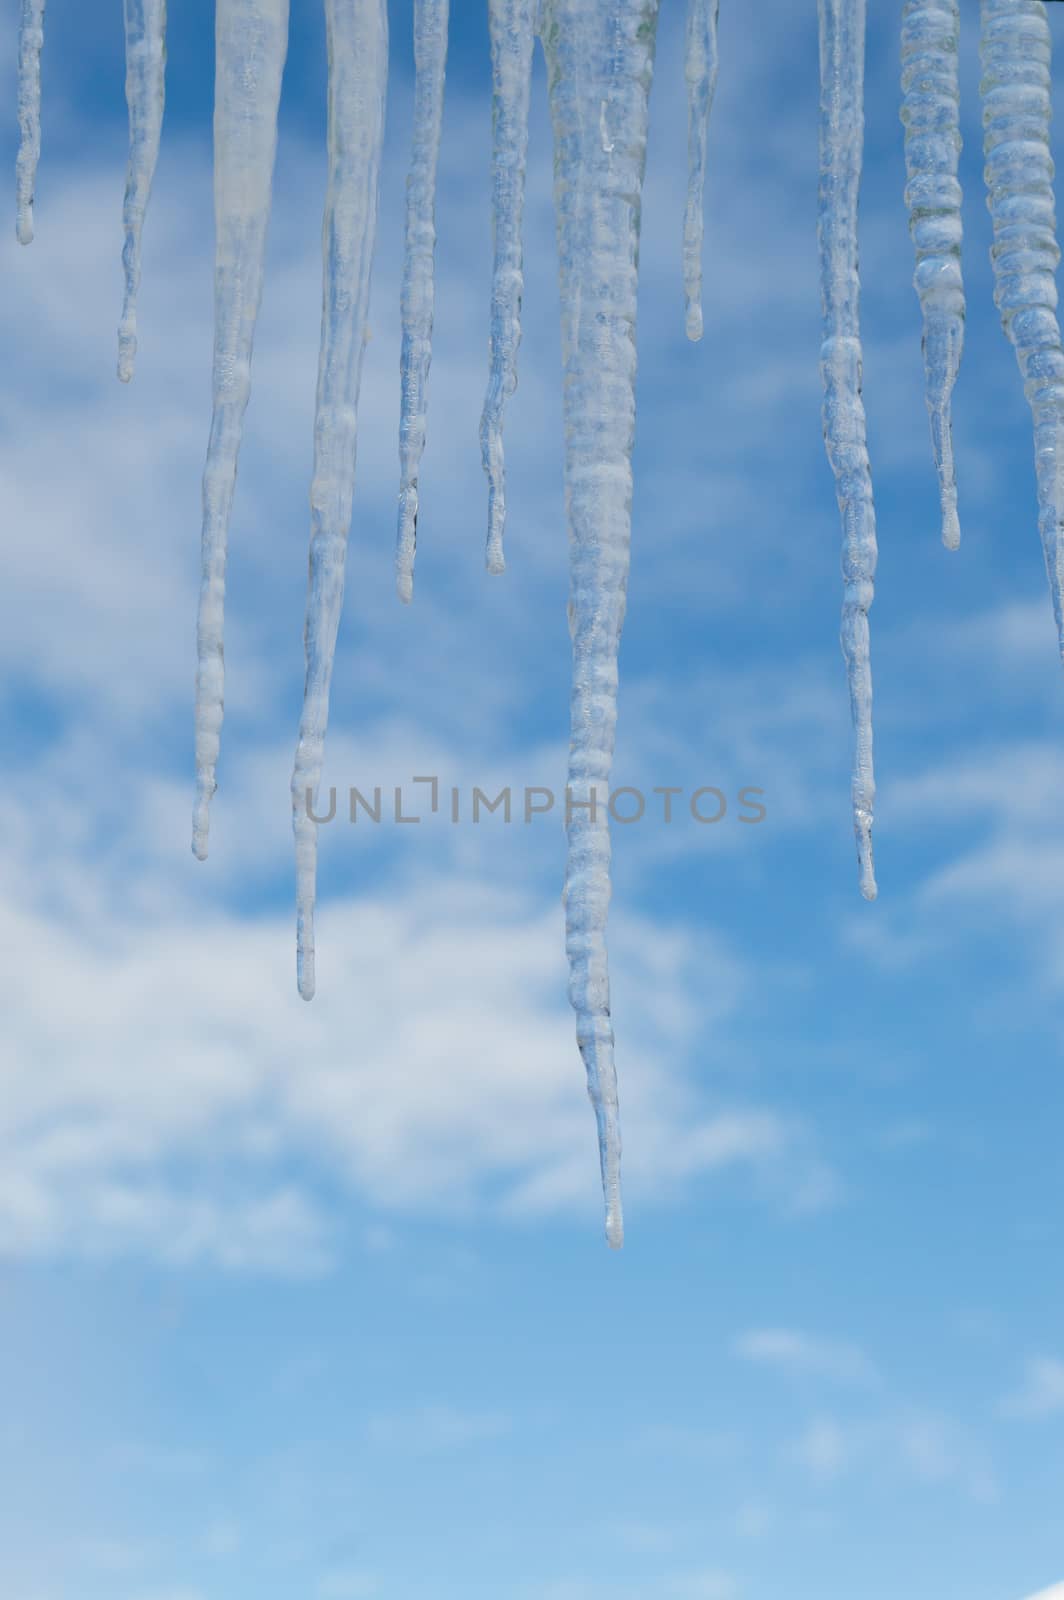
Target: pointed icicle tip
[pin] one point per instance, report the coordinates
(866, 860)
(841, 139)
(357, 39)
(604, 55)
(200, 832)
(305, 968)
(127, 352)
(251, 43)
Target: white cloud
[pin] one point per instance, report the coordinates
(922, 1445)
(346, 1584)
(1041, 1394)
(436, 1429)
(803, 1355)
(436, 1066)
(824, 1449)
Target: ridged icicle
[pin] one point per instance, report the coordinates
(930, 37)
(418, 292)
(700, 70)
(842, 50)
(358, 77)
(251, 42)
(513, 36)
(145, 96)
(1016, 51)
(600, 59)
(30, 44)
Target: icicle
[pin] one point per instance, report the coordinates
(700, 70)
(1016, 52)
(842, 48)
(600, 53)
(430, 56)
(358, 75)
(251, 42)
(145, 92)
(30, 43)
(513, 31)
(930, 39)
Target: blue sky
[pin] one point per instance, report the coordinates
(314, 1300)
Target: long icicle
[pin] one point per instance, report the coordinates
(358, 76)
(30, 44)
(930, 39)
(700, 70)
(251, 42)
(600, 59)
(145, 95)
(842, 50)
(1016, 51)
(418, 293)
(513, 36)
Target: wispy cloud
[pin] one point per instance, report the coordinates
(1040, 1395)
(436, 1429)
(922, 1445)
(804, 1355)
(347, 1584)
(824, 1449)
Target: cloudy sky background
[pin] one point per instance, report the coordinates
(314, 1300)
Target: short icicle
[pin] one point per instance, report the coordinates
(358, 75)
(600, 58)
(30, 44)
(700, 70)
(842, 49)
(1016, 51)
(930, 38)
(145, 95)
(513, 35)
(251, 42)
(418, 291)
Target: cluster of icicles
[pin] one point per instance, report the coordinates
(600, 56)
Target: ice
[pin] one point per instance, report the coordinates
(430, 54)
(145, 93)
(30, 43)
(513, 31)
(358, 77)
(842, 47)
(1016, 51)
(251, 42)
(700, 70)
(930, 36)
(600, 53)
